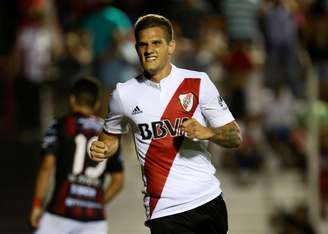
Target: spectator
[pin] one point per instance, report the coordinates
(76, 59)
(282, 43)
(110, 31)
(32, 57)
(316, 43)
(241, 20)
(292, 222)
(107, 26)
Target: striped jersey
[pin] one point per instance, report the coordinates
(78, 192)
(177, 172)
(241, 17)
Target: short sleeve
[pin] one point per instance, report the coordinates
(212, 104)
(50, 140)
(115, 122)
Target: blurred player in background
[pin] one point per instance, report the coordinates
(173, 112)
(79, 198)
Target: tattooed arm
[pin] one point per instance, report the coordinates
(228, 136)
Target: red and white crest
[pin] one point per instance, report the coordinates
(187, 101)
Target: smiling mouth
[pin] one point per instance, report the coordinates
(150, 58)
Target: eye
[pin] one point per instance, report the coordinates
(157, 42)
(141, 44)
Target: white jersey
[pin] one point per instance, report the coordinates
(177, 172)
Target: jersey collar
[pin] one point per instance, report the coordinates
(163, 81)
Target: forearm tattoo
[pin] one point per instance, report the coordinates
(227, 136)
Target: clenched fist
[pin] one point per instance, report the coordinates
(104, 147)
(194, 130)
(99, 151)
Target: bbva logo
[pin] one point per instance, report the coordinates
(160, 129)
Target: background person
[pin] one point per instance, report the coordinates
(78, 201)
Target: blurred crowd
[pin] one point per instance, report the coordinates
(258, 53)
(292, 221)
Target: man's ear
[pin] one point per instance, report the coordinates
(72, 100)
(97, 106)
(171, 47)
(137, 49)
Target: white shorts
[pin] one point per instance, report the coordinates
(53, 224)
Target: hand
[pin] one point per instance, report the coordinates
(36, 214)
(99, 151)
(194, 130)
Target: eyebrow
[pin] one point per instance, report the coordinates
(156, 41)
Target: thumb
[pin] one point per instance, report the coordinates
(106, 151)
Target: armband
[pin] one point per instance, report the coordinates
(37, 202)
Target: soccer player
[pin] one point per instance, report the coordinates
(79, 198)
(173, 112)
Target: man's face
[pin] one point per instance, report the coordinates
(154, 51)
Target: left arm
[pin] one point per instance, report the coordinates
(115, 186)
(227, 136)
(224, 130)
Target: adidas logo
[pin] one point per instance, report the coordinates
(136, 110)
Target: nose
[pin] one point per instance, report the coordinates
(147, 52)
(148, 49)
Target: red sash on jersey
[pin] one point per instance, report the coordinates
(162, 152)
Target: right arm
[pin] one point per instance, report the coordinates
(105, 147)
(41, 188)
(109, 139)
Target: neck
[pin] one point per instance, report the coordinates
(83, 110)
(160, 75)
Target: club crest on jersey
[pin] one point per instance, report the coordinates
(187, 101)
